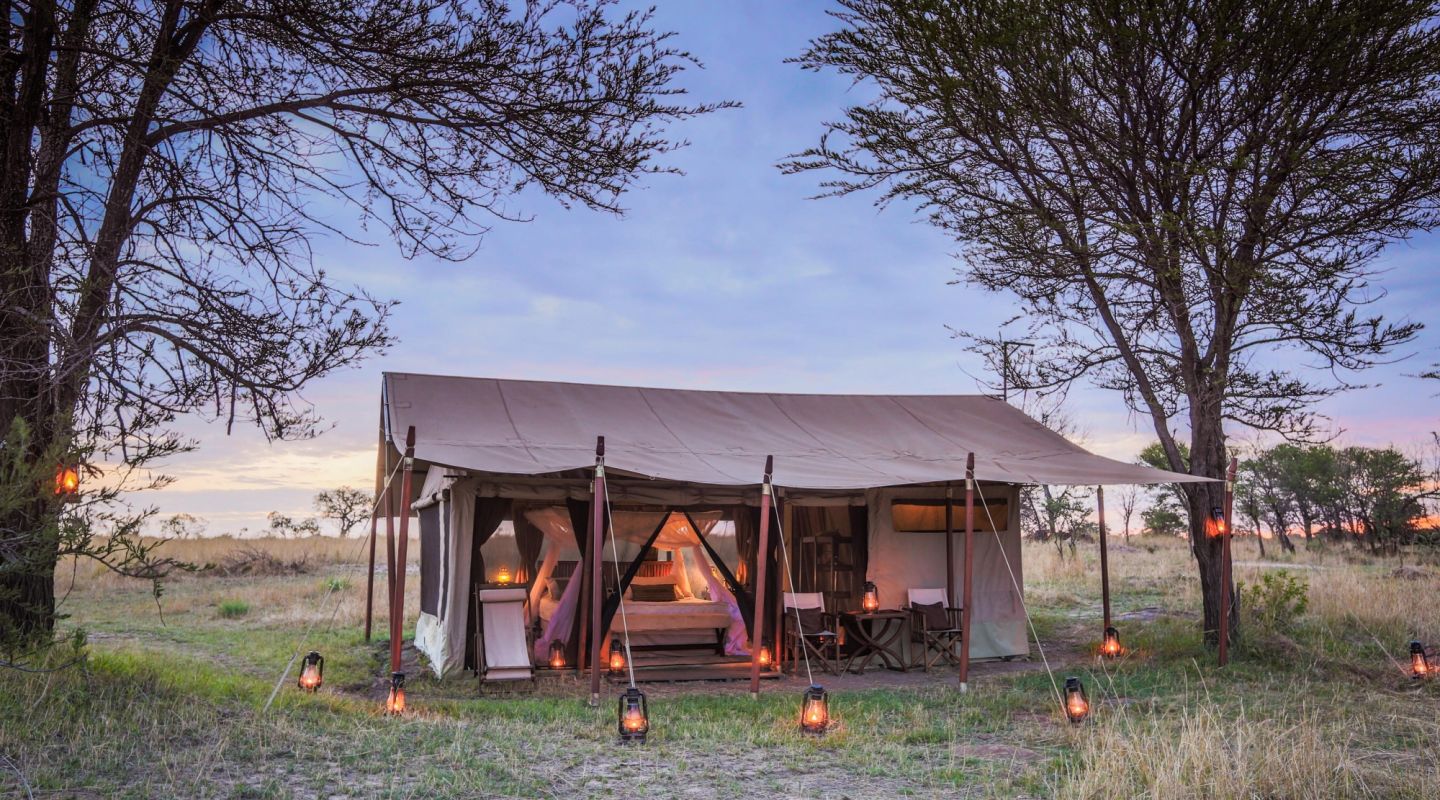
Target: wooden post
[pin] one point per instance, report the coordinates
(757, 628)
(397, 621)
(390, 557)
(1225, 562)
(949, 546)
(582, 574)
(370, 576)
(1104, 556)
(968, 578)
(597, 515)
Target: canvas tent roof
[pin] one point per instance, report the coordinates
(821, 442)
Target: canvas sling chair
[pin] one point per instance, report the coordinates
(938, 634)
(821, 642)
(502, 635)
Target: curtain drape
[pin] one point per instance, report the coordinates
(528, 540)
(489, 513)
(746, 520)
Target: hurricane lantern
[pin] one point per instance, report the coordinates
(764, 657)
(1077, 703)
(504, 576)
(870, 600)
(815, 710)
(1420, 666)
(557, 655)
(67, 480)
(1217, 517)
(312, 671)
(634, 716)
(617, 658)
(1110, 648)
(395, 701)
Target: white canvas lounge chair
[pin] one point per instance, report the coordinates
(818, 638)
(938, 634)
(501, 636)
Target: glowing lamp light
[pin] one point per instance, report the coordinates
(870, 600)
(1077, 703)
(617, 658)
(1217, 516)
(634, 716)
(67, 480)
(1110, 648)
(764, 657)
(1420, 666)
(815, 710)
(504, 576)
(395, 701)
(312, 671)
(557, 655)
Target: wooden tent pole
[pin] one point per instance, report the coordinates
(1225, 566)
(390, 558)
(969, 573)
(398, 619)
(949, 546)
(758, 618)
(1104, 556)
(370, 575)
(597, 515)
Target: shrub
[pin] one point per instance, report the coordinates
(1277, 600)
(335, 585)
(231, 609)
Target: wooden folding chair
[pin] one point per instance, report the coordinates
(938, 642)
(822, 645)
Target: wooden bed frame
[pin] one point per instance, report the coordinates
(648, 569)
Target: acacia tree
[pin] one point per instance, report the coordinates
(165, 167)
(346, 505)
(1186, 198)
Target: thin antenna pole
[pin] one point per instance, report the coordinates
(1104, 555)
(757, 627)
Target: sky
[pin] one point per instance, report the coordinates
(727, 277)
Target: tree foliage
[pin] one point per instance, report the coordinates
(165, 168)
(1186, 198)
(346, 505)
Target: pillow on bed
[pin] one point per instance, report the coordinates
(659, 593)
(656, 580)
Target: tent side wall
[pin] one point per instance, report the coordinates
(900, 561)
(446, 532)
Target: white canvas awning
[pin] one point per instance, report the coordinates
(822, 442)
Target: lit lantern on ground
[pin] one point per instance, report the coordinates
(870, 601)
(557, 655)
(1077, 703)
(634, 716)
(815, 710)
(1111, 648)
(617, 658)
(67, 480)
(764, 657)
(395, 701)
(312, 671)
(504, 576)
(1420, 666)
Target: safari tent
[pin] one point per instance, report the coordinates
(866, 488)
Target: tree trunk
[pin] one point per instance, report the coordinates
(1207, 457)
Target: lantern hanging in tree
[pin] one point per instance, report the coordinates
(395, 701)
(1077, 703)
(1217, 518)
(815, 710)
(1420, 666)
(870, 600)
(67, 480)
(504, 576)
(312, 671)
(557, 654)
(617, 658)
(1111, 648)
(634, 716)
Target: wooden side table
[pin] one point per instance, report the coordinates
(878, 634)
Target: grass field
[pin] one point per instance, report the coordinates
(167, 701)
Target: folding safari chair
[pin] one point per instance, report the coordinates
(501, 635)
(823, 645)
(937, 642)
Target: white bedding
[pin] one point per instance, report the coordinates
(674, 615)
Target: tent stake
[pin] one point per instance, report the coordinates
(1104, 556)
(758, 626)
(1225, 562)
(397, 621)
(597, 515)
(969, 572)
